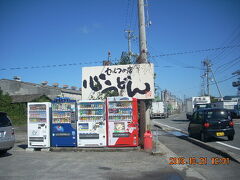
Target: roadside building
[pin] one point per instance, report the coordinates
(26, 91)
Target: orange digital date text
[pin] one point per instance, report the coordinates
(198, 161)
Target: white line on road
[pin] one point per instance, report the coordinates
(228, 145)
(169, 126)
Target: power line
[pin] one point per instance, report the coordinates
(95, 62)
(173, 61)
(226, 68)
(197, 51)
(127, 13)
(52, 66)
(132, 14)
(226, 64)
(230, 40)
(225, 79)
(186, 67)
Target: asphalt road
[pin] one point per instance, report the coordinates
(178, 143)
(180, 122)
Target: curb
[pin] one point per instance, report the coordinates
(97, 149)
(233, 156)
(85, 149)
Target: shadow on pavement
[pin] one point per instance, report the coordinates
(179, 120)
(23, 146)
(152, 175)
(2, 155)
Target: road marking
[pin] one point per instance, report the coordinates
(228, 145)
(169, 126)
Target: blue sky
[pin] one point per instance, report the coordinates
(52, 32)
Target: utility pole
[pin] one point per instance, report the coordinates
(129, 37)
(203, 85)
(208, 65)
(143, 124)
(142, 33)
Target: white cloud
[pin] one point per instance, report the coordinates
(86, 29)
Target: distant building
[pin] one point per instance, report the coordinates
(175, 104)
(24, 91)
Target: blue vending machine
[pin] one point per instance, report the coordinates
(64, 123)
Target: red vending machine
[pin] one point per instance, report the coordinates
(122, 122)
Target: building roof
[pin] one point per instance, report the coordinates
(78, 92)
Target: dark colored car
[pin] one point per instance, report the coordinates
(211, 122)
(7, 137)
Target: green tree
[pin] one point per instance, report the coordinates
(17, 111)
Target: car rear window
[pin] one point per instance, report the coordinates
(217, 115)
(4, 121)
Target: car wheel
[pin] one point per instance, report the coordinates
(230, 138)
(203, 137)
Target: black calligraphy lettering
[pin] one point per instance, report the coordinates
(132, 93)
(121, 84)
(108, 71)
(129, 69)
(110, 89)
(95, 87)
(107, 82)
(84, 83)
(119, 70)
(102, 76)
(115, 70)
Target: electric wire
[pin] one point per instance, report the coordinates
(226, 64)
(97, 62)
(219, 56)
(127, 15)
(221, 81)
(226, 41)
(226, 68)
(197, 51)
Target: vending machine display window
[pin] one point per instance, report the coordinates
(122, 121)
(91, 125)
(63, 127)
(39, 124)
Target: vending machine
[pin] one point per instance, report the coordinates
(64, 123)
(39, 124)
(91, 125)
(122, 121)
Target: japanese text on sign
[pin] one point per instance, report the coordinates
(133, 80)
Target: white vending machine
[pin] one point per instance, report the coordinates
(39, 124)
(91, 125)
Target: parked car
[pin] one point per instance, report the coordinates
(7, 137)
(211, 122)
